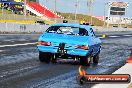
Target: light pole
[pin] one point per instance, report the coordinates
(108, 20)
(90, 9)
(92, 2)
(55, 7)
(76, 6)
(25, 7)
(105, 4)
(55, 10)
(45, 6)
(126, 13)
(2, 9)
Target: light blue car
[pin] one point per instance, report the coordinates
(69, 41)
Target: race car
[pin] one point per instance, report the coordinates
(69, 41)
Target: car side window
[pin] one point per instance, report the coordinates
(83, 32)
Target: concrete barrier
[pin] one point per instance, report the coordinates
(102, 29)
(22, 28)
(37, 28)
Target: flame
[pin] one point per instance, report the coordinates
(81, 71)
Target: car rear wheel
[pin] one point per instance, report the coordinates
(85, 60)
(54, 59)
(44, 57)
(96, 58)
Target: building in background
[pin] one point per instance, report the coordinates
(119, 20)
(116, 13)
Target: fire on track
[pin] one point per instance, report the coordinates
(24, 44)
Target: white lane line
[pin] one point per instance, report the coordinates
(127, 35)
(1, 50)
(18, 44)
(9, 41)
(100, 37)
(114, 36)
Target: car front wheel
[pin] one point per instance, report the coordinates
(96, 58)
(44, 57)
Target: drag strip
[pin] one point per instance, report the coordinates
(21, 68)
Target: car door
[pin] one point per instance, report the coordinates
(95, 41)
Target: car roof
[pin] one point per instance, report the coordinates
(87, 27)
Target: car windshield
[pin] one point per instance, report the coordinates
(67, 30)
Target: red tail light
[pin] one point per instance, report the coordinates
(85, 47)
(44, 43)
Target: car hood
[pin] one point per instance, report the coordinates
(63, 38)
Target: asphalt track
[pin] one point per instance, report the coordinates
(20, 67)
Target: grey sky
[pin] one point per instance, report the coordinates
(69, 6)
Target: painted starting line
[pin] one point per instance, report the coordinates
(1, 46)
